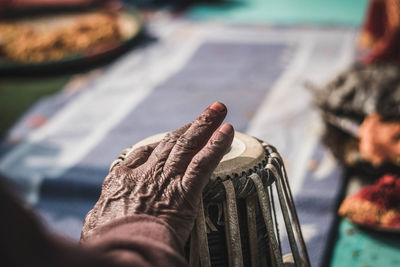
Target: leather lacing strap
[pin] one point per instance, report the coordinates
(275, 165)
(199, 251)
(264, 200)
(252, 228)
(232, 229)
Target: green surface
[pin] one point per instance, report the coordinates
(284, 12)
(358, 247)
(17, 94)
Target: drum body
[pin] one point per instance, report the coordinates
(219, 240)
(237, 223)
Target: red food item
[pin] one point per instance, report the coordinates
(375, 205)
(385, 193)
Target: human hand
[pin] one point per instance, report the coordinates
(379, 140)
(165, 179)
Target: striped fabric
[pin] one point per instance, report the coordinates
(258, 72)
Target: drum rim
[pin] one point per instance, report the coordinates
(214, 191)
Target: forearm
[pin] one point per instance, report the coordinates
(139, 240)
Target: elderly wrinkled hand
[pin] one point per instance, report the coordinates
(165, 179)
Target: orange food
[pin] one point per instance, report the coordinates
(34, 44)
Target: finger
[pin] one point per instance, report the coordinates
(163, 149)
(139, 156)
(194, 139)
(205, 162)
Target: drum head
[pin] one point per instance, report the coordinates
(245, 154)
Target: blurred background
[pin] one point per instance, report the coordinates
(80, 80)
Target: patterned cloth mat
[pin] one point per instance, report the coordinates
(258, 72)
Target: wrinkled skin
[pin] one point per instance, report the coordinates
(165, 179)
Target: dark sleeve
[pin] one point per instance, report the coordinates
(139, 240)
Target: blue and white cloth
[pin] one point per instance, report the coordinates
(259, 72)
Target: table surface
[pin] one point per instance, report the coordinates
(360, 247)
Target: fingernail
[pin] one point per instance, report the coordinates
(217, 106)
(226, 129)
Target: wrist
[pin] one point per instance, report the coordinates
(137, 226)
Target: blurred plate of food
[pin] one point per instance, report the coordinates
(375, 206)
(64, 39)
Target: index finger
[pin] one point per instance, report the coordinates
(205, 162)
(194, 139)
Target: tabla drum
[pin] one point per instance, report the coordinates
(238, 219)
